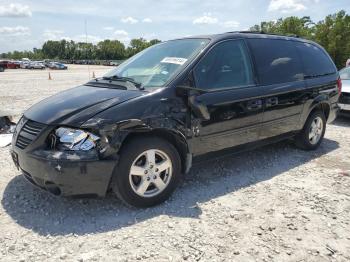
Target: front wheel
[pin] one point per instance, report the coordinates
(311, 136)
(149, 170)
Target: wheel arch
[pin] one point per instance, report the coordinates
(176, 138)
(320, 103)
(323, 106)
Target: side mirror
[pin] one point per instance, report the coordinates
(199, 108)
(192, 93)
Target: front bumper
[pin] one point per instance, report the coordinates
(65, 173)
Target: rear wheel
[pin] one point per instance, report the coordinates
(149, 170)
(311, 136)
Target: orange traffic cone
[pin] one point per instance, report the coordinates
(93, 74)
(50, 76)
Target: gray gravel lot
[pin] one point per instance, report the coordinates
(276, 203)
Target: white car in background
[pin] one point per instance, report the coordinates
(24, 64)
(36, 65)
(344, 100)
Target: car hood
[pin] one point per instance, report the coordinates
(346, 86)
(75, 106)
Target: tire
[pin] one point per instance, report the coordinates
(2, 69)
(303, 140)
(127, 186)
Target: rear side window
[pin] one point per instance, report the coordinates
(277, 61)
(316, 62)
(227, 64)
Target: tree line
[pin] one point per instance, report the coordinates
(70, 50)
(333, 33)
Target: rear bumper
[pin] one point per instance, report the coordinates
(65, 173)
(333, 113)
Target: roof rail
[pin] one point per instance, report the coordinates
(263, 32)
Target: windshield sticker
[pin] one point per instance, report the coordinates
(174, 60)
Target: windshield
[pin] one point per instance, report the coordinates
(157, 64)
(345, 73)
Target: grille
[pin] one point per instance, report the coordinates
(28, 133)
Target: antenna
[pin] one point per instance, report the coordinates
(86, 51)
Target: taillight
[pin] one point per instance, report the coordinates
(339, 85)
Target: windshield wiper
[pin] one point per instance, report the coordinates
(124, 79)
(105, 85)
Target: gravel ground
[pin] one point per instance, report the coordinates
(276, 203)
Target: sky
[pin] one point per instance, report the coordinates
(27, 24)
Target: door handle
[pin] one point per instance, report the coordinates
(254, 104)
(272, 101)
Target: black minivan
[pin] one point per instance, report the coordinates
(136, 130)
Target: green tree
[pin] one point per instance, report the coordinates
(288, 26)
(333, 34)
(110, 50)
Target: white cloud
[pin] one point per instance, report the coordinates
(287, 6)
(129, 20)
(121, 33)
(53, 34)
(231, 24)
(108, 28)
(14, 31)
(84, 38)
(147, 20)
(15, 10)
(122, 36)
(206, 19)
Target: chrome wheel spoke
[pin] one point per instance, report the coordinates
(159, 183)
(311, 135)
(151, 157)
(313, 125)
(137, 171)
(143, 186)
(314, 139)
(319, 124)
(164, 165)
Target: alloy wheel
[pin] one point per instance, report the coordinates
(316, 129)
(150, 173)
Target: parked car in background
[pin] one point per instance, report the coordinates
(3, 65)
(136, 130)
(56, 65)
(13, 65)
(47, 62)
(36, 65)
(24, 64)
(113, 63)
(344, 100)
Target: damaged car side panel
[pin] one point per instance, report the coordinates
(160, 114)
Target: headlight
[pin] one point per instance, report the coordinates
(75, 139)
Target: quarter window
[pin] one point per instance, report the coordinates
(226, 65)
(315, 60)
(277, 61)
